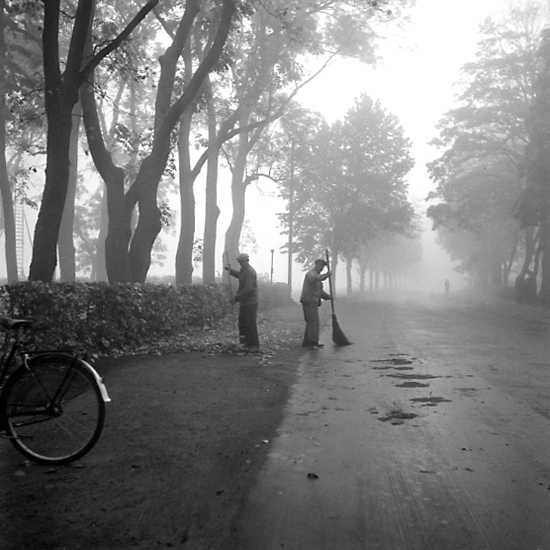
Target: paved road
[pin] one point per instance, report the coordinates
(431, 432)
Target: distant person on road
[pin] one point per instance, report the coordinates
(312, 294)
(247, 296)
(447, 286)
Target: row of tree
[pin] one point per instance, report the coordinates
(164, 90)
(493, 177)
(345, 185)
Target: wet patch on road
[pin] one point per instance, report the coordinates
(400, 361)
(393, 368)
(430, 401)
(399, 358)
(394, 361)
(412, 385)
(413, 376)
(397, 416)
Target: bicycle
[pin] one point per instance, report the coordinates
(52, 403)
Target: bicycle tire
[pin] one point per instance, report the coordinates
(51, 432)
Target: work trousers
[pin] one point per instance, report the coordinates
(248, 330)
(311, 316)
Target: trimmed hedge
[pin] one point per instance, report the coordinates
(105, 318)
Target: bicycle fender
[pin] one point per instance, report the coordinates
(99, 380)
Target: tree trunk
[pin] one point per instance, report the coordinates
(362, 274)
(119, 210)
(238, 197)
(509, 264)
(212, 211)
(246, 141)
(65, 244)
(99, 269)
(119, 233)
(333, 267)
(61, 95)
(148, 226)
(8, 212)
(545, 260)
(184, 254)
(349, 288)
(44, 256)
(5, 187)
(523, 283)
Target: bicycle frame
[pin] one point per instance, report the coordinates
(12, 342)
(9, 348)
(56, 399)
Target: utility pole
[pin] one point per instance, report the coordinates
(290, 220)
(272, 251)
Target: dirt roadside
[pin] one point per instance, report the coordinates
(185, 436)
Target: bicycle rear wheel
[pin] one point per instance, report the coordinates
(54, 410)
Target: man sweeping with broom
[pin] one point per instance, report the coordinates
(312, 294)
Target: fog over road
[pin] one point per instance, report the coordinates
(432, 431)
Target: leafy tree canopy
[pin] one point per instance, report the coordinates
(482, 174)
(349, 183)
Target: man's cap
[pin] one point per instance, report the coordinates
(320, 261)
(242, 257)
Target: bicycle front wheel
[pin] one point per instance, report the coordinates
(54, 410)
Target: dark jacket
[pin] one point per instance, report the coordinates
(247, 292)
(312, 291)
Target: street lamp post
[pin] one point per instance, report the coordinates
(290, 220)
(272, 252)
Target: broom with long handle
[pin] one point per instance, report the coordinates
(338, 337)
(230, 291)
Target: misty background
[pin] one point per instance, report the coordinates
(416, 79)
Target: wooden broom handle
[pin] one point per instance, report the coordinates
(330, 283)
(229, 275)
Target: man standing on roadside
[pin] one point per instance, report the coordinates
(312, 293)
(247, 296)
